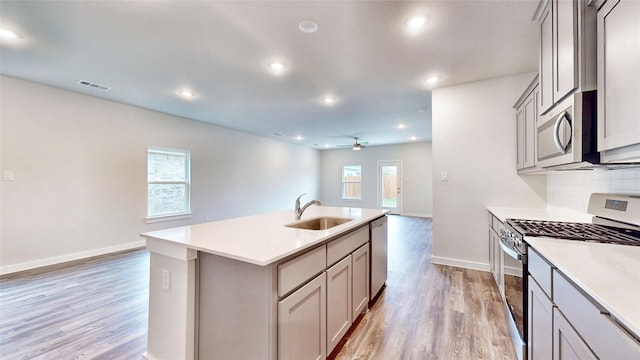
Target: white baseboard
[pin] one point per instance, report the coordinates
(8, 269)
(459, 263)
(420, 215)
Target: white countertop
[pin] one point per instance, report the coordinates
(554, 214)
(610, 274)
(263, 239)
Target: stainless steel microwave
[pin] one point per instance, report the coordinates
(567, 138)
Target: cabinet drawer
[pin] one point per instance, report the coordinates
(345, 245)
(540, 270)
(604, 337)
(294, 272)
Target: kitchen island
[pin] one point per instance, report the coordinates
(235, 289)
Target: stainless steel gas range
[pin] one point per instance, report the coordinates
(616, 221)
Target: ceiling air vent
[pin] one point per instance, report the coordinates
(93, 85)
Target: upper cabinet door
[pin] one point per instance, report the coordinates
(618, 84)
(565, 47)
(567, 50)
(546, 61)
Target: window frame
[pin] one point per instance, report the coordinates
(344, 183)
(187, 183)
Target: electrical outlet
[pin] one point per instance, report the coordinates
(166, 279)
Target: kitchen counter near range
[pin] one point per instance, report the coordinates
(608, 273)
(263, 239)
(552, 214)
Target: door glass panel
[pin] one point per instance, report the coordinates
(389, 186)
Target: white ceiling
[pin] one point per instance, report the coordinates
(146, 51)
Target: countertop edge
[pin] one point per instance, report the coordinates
(353, 225)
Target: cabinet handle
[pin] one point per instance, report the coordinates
(556, 133)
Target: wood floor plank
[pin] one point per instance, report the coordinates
(98, 309)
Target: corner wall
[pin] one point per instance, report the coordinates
(474, 141)
(80, 173)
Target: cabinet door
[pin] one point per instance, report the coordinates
(567, 344)
(530, 129)
(339, 316)
(546, 61)
(360, 283)
(565, 47)
(540, 318)
(302, 322)
(618, 74)
(520, 126)
(492, 265)
(497, 260)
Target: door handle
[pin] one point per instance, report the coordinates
(556, 132)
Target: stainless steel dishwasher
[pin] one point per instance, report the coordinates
(378, 229)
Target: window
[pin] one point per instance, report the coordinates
(351, 182)
(168, 182)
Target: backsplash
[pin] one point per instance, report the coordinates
(572, 189)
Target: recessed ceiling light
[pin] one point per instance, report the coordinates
(416, 21)
(8, 34)
(413, 138)
(329, 100)
(299, 137)
(277, 66)
(326, 146)
(186, 93)
(432, 79)
(308, 26)
(401, 126)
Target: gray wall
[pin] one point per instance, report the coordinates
(80, 173)
(417, 191)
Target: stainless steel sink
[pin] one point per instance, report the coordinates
(321, 223)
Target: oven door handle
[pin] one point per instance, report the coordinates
(514, 254)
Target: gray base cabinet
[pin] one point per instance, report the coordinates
(339, 291)
(540, 323)
(579, 327)
(567, 344)
(302, 322)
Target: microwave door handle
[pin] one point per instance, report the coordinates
(556, 133)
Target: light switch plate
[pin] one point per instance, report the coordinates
(444, 176)
(7, 175)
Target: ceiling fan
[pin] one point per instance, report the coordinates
(357, 144)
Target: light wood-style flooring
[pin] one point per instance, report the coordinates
(429, 311)
(98, 309)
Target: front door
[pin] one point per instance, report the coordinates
(389, 181)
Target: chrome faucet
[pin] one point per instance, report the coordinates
(300, 211)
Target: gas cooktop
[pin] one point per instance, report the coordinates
(576, 231)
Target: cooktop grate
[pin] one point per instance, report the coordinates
(576, 231)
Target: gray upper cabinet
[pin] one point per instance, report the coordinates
(526, 125)
(618, 85)
(567, 50)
